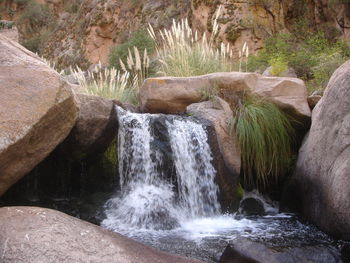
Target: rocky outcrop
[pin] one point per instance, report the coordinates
(225, 148)
(37, 111)
(30, 234)
(246, 251)
(95, 127)
(173, 95)
(320, 186)
(83, 31)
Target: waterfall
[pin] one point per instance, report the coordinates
(166, 173)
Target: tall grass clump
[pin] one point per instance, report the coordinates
(182, 53)
(112, 83)
(107, 83)
(266, 138)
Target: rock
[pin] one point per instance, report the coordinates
(289, 73)
(231, 255)
(9, 30)
(173, 95)
(225, 147)
(95, 127)
(313, 100)
(37, 111)
(246, 251)
(251, 206)
(320, 186)
(31, 234)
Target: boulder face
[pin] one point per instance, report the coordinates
(37, 111)
(173, 95)
(320, 186)
(225, 147)
(95, 127)
(30, 234)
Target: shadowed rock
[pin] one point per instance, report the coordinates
(320, 186)
(37, 111)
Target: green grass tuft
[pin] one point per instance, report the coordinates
(266, 137)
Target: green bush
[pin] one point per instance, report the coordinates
(138, 39)
(21, 2)
(313, 58)
(278, 65)
(36, 16)
(266, 137)
(33, 44)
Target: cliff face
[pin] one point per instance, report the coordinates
(84, 31)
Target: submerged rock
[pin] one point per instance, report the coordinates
(31, 234)
(251, 206)
(246, 251)
(37, 111)
(173, 95)
(320, 186)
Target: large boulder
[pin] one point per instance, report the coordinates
(95, 127)
(320, 186)
(33, 235)
(225, 147)
(173, 95)
(37, 111)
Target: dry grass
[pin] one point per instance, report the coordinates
(182, 53)
(107, 83)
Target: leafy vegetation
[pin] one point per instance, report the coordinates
(38, 21)
(314, 57)
(266, 137)
(142, 41)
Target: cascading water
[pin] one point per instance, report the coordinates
(168, 197)
(151, 196)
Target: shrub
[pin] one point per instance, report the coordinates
(36, 16)
(312, 57)
(139, 39)
(182, 53)
(33, 44)
(266, 137)
(278, 65)
(21, 2)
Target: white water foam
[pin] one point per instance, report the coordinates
(149, 198)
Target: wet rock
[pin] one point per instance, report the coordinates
(224, 145)
(251, 206)
(246, 251)
(173, 95)
(37, 111)
(31, 234)
(95, 127)
(320, 186)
